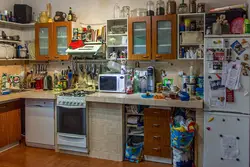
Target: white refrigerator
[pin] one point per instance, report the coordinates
(227, 113)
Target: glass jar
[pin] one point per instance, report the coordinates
(171, 7)
(126, 11)
(160, 10)
(150, 7)
(201, 7)
(192, 6)
(183, 8)
(116, 11)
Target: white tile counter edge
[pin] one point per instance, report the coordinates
(119, 98)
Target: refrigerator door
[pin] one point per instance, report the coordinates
(226, 140)
(241, 102)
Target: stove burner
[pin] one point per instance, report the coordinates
(76, 93)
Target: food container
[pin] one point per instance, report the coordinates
(116, 11)
(160, 8)
(191, 89)
(184, 96)
(185, 79)
(183, 8)
(192, 80)
(216, 29)
(171, 7)
(192, 6)
(200, 92)
(119, 29)
(151, 8)
(126, 11)
(138, 12)
(200, 82)
(201, 7)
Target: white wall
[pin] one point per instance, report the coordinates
(97, 11)
(8, 4)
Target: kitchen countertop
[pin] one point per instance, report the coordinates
(28, 94)
(119, 98)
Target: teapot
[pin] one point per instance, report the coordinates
(60, 16)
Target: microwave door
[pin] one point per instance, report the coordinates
(108, 83)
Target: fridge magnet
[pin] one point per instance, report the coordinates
(246, 57)
(244, 43)
(211, 119)
(246, 93)
(244, 72)
(237, 47)
(218, 76)
(229, 147)
(217, 65)
(219, 55)
(229, 95)
(216, 84)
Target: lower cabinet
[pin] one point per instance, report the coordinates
(157, 133)
(10, 123)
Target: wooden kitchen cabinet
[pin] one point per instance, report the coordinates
(164, 37)
(10, 123)
(52, 40)
(62, 33)
(152, 38)
(157, 133)
(3, 129)
(139, 38)
(14, 127)
(43, 40)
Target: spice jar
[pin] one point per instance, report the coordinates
(201, 8)
(160, 8)
(126, 11)
(150, 7)
(192, 6)
(171, 7)
(117, 11)
(183, 8)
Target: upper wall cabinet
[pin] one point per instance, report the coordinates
(164, 37)
(139, 38)
(52, 40)
(43, 40)
(152, 38)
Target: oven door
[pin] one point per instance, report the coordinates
(71, 120)
(108, 83)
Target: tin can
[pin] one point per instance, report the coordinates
(192, 80)
(200, 82)
(191, 89)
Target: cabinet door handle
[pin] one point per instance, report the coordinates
(156, 137)
(156, 149)
(156, 125)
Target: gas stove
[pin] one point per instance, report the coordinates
(74, 99)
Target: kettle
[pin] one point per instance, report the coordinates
(60, 16)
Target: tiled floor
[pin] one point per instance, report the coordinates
(22, 156)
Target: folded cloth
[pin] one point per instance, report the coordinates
(133, 120)
(76, 44)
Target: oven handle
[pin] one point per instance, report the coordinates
(75, 137)
(74, 107)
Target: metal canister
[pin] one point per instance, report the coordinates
(200, 82)
(191, 89)
(171, 7)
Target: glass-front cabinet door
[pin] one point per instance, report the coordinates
(62, 37)
(139, 38)
(164, 37)
(43, 40)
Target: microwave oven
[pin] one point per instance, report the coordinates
(112, 83)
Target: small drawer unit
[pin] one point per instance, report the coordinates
(157, 133)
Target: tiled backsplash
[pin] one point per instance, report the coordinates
(172, 67)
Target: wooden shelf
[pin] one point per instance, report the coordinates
(134, 114)
(116, 46)
(17, 25)
(228, 36)
(131, 134)
(190, 59)
(111, 35)
(191, 44)
(189, 31)
(10, 41)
